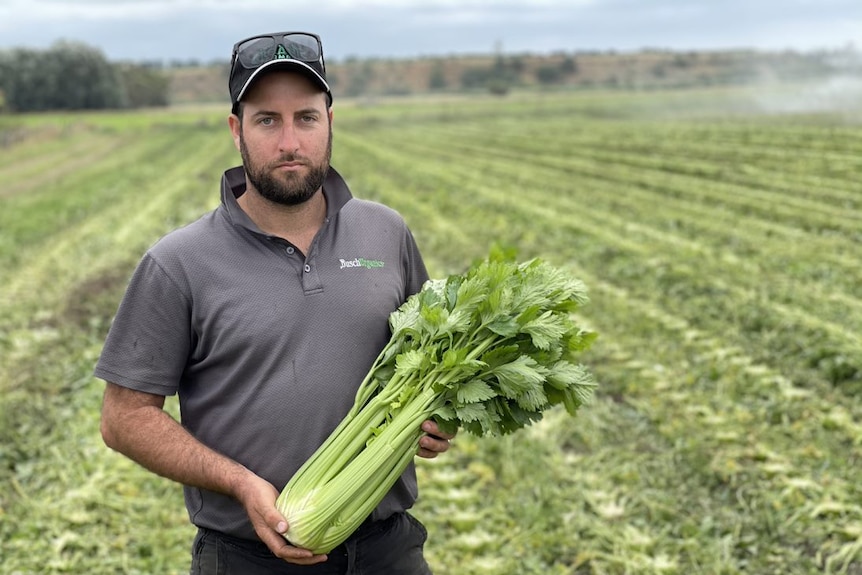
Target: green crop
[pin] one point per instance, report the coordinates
(487, 351)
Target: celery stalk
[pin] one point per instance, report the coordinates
(487, 351)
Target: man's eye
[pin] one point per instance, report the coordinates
(267, 121)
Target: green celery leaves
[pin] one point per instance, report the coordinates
(487, 351)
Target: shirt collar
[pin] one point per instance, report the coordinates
(233, 186)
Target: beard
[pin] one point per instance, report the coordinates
(292, 190)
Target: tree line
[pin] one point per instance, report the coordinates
(75, 76)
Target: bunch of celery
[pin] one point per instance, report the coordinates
(488, 351)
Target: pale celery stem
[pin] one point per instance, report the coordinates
(325, 519)
(366, 391)
(338, 452)
(402, 435)
(360, 507)
(328, 501)
(363, 503)
(342, 445)
(373, 472)
(327, 461)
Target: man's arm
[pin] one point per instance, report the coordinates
(135, 424)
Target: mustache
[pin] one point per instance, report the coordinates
(290, 158)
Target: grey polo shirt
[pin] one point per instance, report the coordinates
(265, 346)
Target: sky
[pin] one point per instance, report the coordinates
(205, 30)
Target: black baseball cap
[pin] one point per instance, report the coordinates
(295, 51)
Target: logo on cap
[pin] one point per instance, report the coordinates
(281, 53)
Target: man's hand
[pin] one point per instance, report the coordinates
(435, 442)
(258, 497)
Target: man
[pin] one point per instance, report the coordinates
(251, 317)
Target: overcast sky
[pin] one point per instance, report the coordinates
(205, 30)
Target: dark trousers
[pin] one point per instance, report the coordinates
(389, 547)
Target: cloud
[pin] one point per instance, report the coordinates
(31, 10)
(89, 10)
(205, 29)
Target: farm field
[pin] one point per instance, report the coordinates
(722, 247)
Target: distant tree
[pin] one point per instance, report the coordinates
(189, 63)
(144, 86)
(549, 74)
(333, 78)
(152, 64)
(684, 60)
(397, 88)
(68, 76)
(503, 75)
(499, 87)
(84, 79)
(495, 79)
(7, 76)
(437, 79)
(515, 65)
(569, 67)
(475, 78)
(659, 70)
(360, 75)
(23, 86)
(501, 69)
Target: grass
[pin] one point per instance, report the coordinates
(722, 250)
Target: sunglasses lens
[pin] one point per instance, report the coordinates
(255, 52)
(302, 47)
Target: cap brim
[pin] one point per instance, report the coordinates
(286, 64)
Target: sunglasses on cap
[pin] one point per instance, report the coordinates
(257, 50)
(301, 51)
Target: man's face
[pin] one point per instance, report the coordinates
(284, 137)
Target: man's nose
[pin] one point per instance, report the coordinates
(288, 142)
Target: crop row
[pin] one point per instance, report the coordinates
(725, 431)
(70, 239)
(612, 216)
(741, 180)
(726, 355)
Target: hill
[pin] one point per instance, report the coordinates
(643, 70)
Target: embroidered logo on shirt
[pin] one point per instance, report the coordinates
(361, 263)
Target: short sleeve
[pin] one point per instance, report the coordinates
(149, 340)
(417, 274)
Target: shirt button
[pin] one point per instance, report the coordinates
(307, 268)
(290, 250)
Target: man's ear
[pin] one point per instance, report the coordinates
(235, 128)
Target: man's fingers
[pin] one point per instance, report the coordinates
(431, 428)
